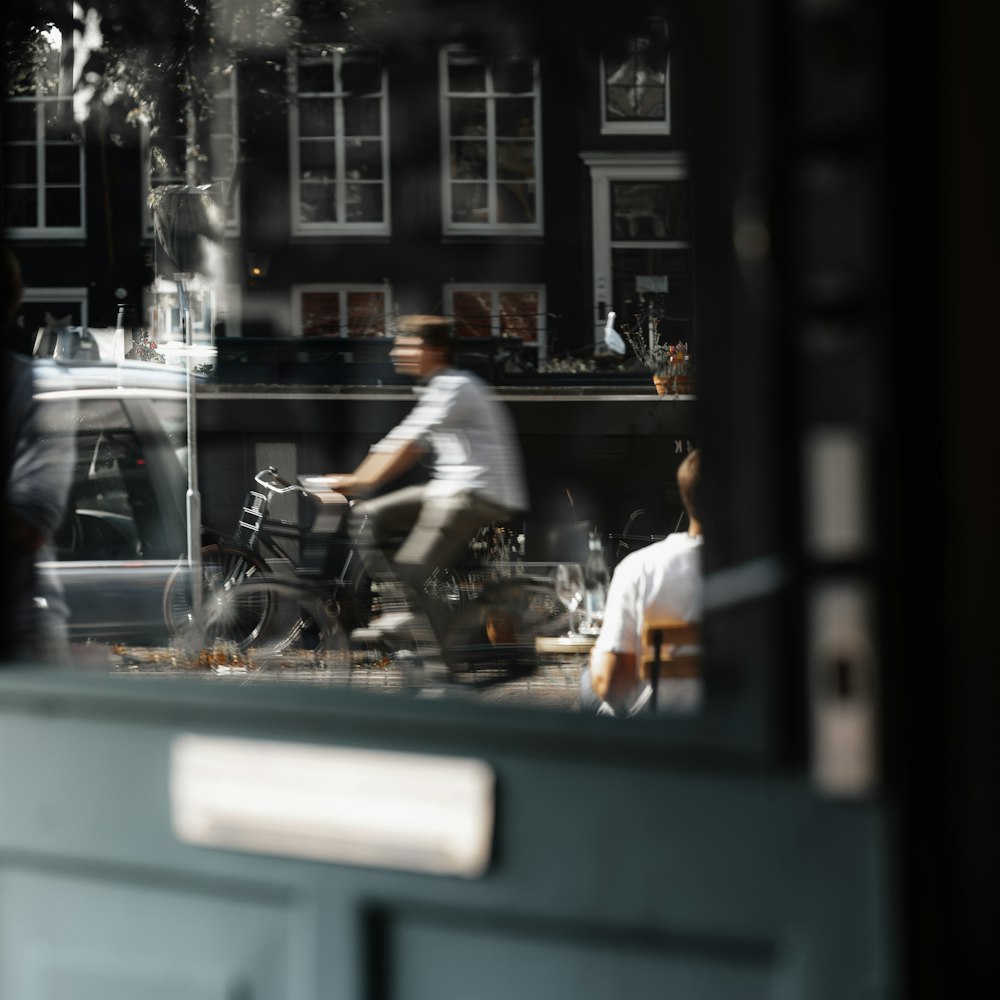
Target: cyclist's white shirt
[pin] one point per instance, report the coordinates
(471, 436)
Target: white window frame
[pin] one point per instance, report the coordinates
(614, 127)
(301, 227)
(232, 224)
(492, 228)
(343, 290)
(41, 101)
(496, 289)
(606, 168)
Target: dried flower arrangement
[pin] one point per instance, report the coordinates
(671, 365)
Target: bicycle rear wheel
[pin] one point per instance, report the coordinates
(234, 613)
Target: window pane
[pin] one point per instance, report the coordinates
(515, 116)
(516, 203)
(62, 207)
(315, 77)
(361, 73)
(363, 202)
(515, 160)
(321, 314)
(519, 315)
(365, 314)
(469, 203)
(21, 208)
(466, 73)
(636, 81)
(62, 165)
(318, 202)
(363, 160)
(468, 160)
(649, 210)
(316, 116)
(467, 116)
(472, 312)
(513, 75)
(318, 160)
(19, 121)
(20, 165)
(362, 116)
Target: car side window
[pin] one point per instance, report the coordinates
(109, 482)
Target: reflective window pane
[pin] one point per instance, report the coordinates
(519, 315)
(468, 160)
(362, 116)
(516, 203)
(467, 116)
(316, 116)
(363, 202)
(321, 314)
(62, 207)
(515, 116)
(513, 75)
(363, 160)
(62, 165)
(365, 314)
(473, 311)
(360, 73)
(650, 210)
(469, 203)
(466, 73)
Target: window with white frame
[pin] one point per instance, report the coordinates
(43, 162)
(166, 154)
(339, 143)
(491, 149)
(341, 310)
(642, 241)
(489, 310)
(635, 83)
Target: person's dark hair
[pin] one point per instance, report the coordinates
(435, 331)
(688, 474)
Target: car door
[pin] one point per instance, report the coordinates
(123, 530)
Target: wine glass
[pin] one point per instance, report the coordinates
(570, 590)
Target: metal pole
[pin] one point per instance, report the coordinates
(193, 496)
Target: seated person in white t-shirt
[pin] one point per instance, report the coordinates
(661, 581)
(476, 475)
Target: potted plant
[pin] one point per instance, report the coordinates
(670, 365)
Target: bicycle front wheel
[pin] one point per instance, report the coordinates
(492, 638)
(233, 612)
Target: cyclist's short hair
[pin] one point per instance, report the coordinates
(435, 331)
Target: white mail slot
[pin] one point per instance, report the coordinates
(363, 807)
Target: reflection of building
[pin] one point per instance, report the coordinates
(471, 167)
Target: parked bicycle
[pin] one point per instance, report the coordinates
(494, 607)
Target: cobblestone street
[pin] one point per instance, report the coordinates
(553, 685)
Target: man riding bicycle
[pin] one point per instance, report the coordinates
(476, 478)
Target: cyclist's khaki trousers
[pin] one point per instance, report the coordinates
(437, 529)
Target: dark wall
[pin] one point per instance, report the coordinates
(587, 458)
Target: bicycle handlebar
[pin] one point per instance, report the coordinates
(275, 483)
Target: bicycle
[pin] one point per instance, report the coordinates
(327, 566)
(495, 606)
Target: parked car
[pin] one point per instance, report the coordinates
(125, 524)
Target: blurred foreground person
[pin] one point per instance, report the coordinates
(662, 580)
(476, 478)
(37, 472)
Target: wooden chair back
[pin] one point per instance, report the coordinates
(661, 640)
